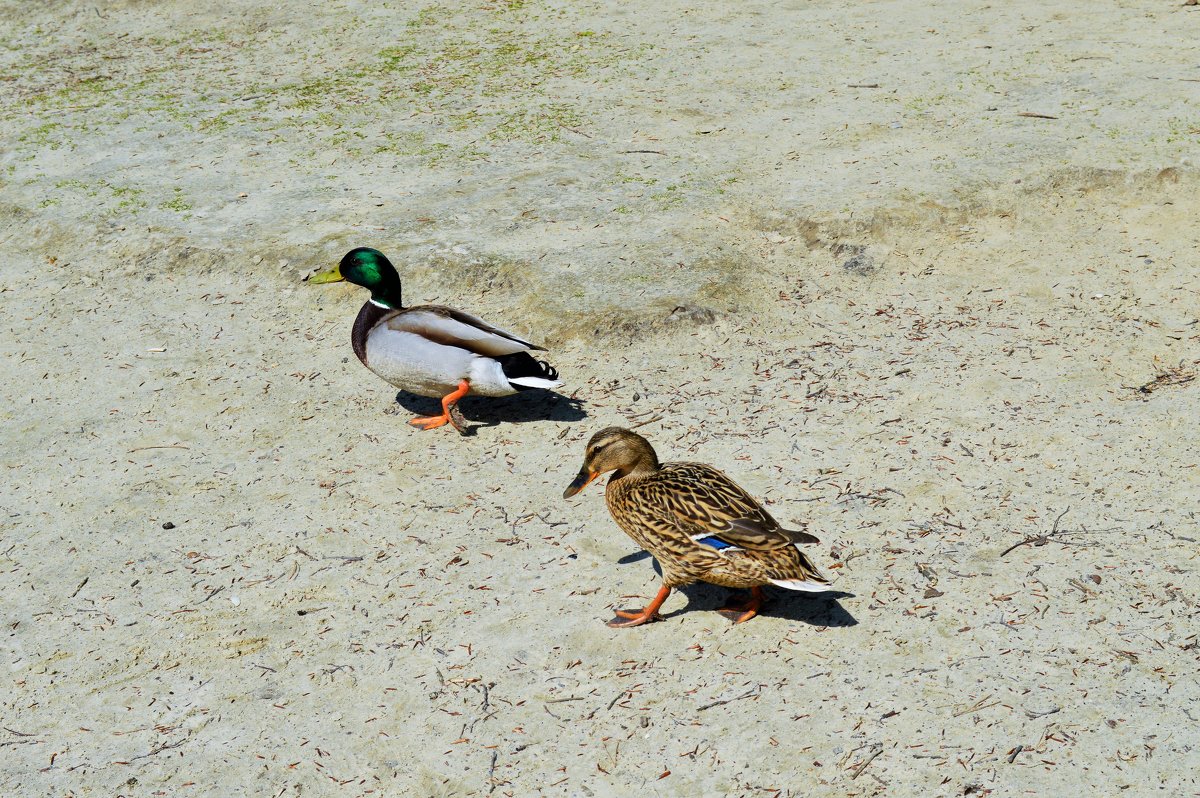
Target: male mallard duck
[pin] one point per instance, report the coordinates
(432, 350)
(700, 524)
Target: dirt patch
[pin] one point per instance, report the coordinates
(922, 280)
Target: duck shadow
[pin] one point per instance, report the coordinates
(484, 411)
(814, 609)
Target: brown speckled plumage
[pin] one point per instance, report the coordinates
(666, 508)
(663, 510)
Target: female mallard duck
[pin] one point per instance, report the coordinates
(700, 524)
(432, 350)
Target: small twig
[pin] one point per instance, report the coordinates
(1012, 757)
(486, 705)
(19, 742)
(1038, 540)
(723, 701)
(575, 130)
(1081, 587)
(212, 593)
(159, 749)
(647, 421)
(862, 85)
(978, 705)
(81, 584)
(861, 766)
(1033, 115)
(492, 773)
(1033, 715)
(854, 555)
(1166, 377)
(642, 152)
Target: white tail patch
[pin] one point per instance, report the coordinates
(802, 585)
(535, 382)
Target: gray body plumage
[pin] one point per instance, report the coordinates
(428, 350)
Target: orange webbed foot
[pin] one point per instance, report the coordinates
(633, 618)
(744, 611)
(429, 422)
(736, 614)
(450, 412)
(648, 614)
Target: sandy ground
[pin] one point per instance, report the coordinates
(922, 276)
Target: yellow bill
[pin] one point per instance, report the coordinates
(333, 275)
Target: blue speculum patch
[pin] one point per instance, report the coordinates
(715, 543)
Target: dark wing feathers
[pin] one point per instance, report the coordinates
(747, 529)
(475, 321)
(455, 328)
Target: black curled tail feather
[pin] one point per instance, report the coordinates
(522, 364)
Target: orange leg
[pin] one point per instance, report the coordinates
(646, 615)
(433, 422)
(738, 613)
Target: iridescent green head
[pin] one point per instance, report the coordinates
(369, 268)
